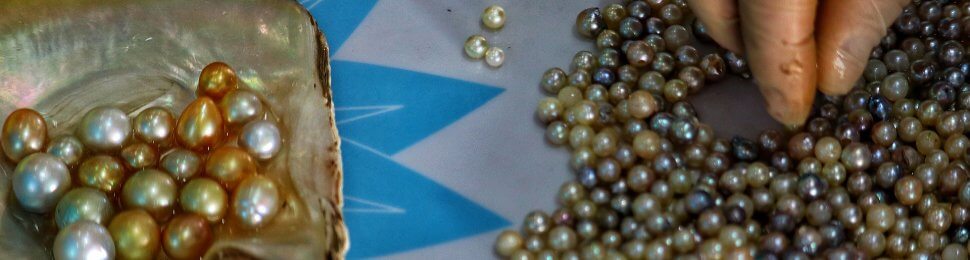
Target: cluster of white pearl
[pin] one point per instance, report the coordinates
(476, 47)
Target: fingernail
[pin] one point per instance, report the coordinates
(788, 111)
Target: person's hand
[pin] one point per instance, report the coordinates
(792, 46)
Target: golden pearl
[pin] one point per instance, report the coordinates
(204, 197)
(256, 201)
(187, 236)
(229, 165)
(151, 190)
(216, 80)
(200, 126)
(102, 172)
(136, 235)
(24, 133)
(139, 155)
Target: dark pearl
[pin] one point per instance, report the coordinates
(811, 187)
(879, 107)
(736, 64)
(744, 149)
(951, 53)
(638, 9)
(590, 22)
(949, 28)
(655, 26)
(698, 201)
(630, 28)
(922, 71)
(714, 67)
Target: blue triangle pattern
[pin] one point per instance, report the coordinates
(338, 18)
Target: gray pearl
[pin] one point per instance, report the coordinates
(155, 125)
(181, 163)
(83, 204)
(39, 181)
(104, 128)
(240, 106)
(84, 240)
(261, 138)
(67, 148)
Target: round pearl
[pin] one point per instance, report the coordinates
(507, 242)
(256, 201)
(204, 197)
(83, 204)
(24, 132)
(475, 46)
(102, 172)
(139, 155)
(494, 17)
(155, 125)
(84, 240)
(229, 166)
(200, 127)
(67, 148)
(262, 139)
(216, 80)
(151, 190)
(182, 164)
(240, 106)
(186, 236)
(494, 57)
(136, 235)
(104, 129)
(39, 181)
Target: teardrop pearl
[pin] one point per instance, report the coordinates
(256, 201)
(229, 166)
(102, 172)
(204, 197)
(136, 235)
(240, 106)
(151, 190)
(216, 80)
(187, 236)
(155, 126)
(200, 126)
(24, 133)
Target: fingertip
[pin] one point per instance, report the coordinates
(790, 108)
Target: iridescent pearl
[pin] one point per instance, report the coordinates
(256, 201)
(182, 164)
(104, 129)
(187, 236)
(216, 80)
(475, 46)
(200, 126)
(139, 155)
(507, 242)
(240, 106)
(24, 133)
(84, 240)
(494, 57)
(102, 172)
(151, 190)
(39, 181)
(494, 17)
(136, 235)
(229, 166)
(155, 125)
(261, 138)
(67, 148)
(83, 204)
(204, 197)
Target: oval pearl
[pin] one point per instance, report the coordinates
(151, 190)
(181, 163)
(494, 57)
(136, 235)
(83, 204)
(475, 46)
(39, 181)
(216, 80)
(84, 240)
(494, 17)
(104, 129)
(187, 236)
(67, 148)
(24, 133)
(240, 106)
(229, 166)
(102, 172)
(261, 138)
(154, 126)
(256, 201)
(204, 197)
(139, 155)
(200, 125)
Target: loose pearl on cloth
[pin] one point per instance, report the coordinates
(494, 57)
(493, 17)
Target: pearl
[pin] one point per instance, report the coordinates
(154, 126)
(590, 22)
(240, 106)
(181, 163)
(508, 242)
(200, 127)
(135, 234)
(475, 46)
(256, 201)
(216, 80)
(39, 181)
(139, 155)
(562, 238)
(84, 240)
(67, 148)
(24, 132)
(102, 172)
(104, 129)
(494, 57)
(83, 204)
(186, 236)
(229, 166)
(262, 139)
(494, 17)
(151, 190)
(204, 197)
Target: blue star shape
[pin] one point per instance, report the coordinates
(380, 111)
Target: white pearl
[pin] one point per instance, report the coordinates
(494, 17)
(39, 181)
(104, 129)
(261, 138)
(84, 240)
(67, 148)
(494, 57)
(475, 46)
